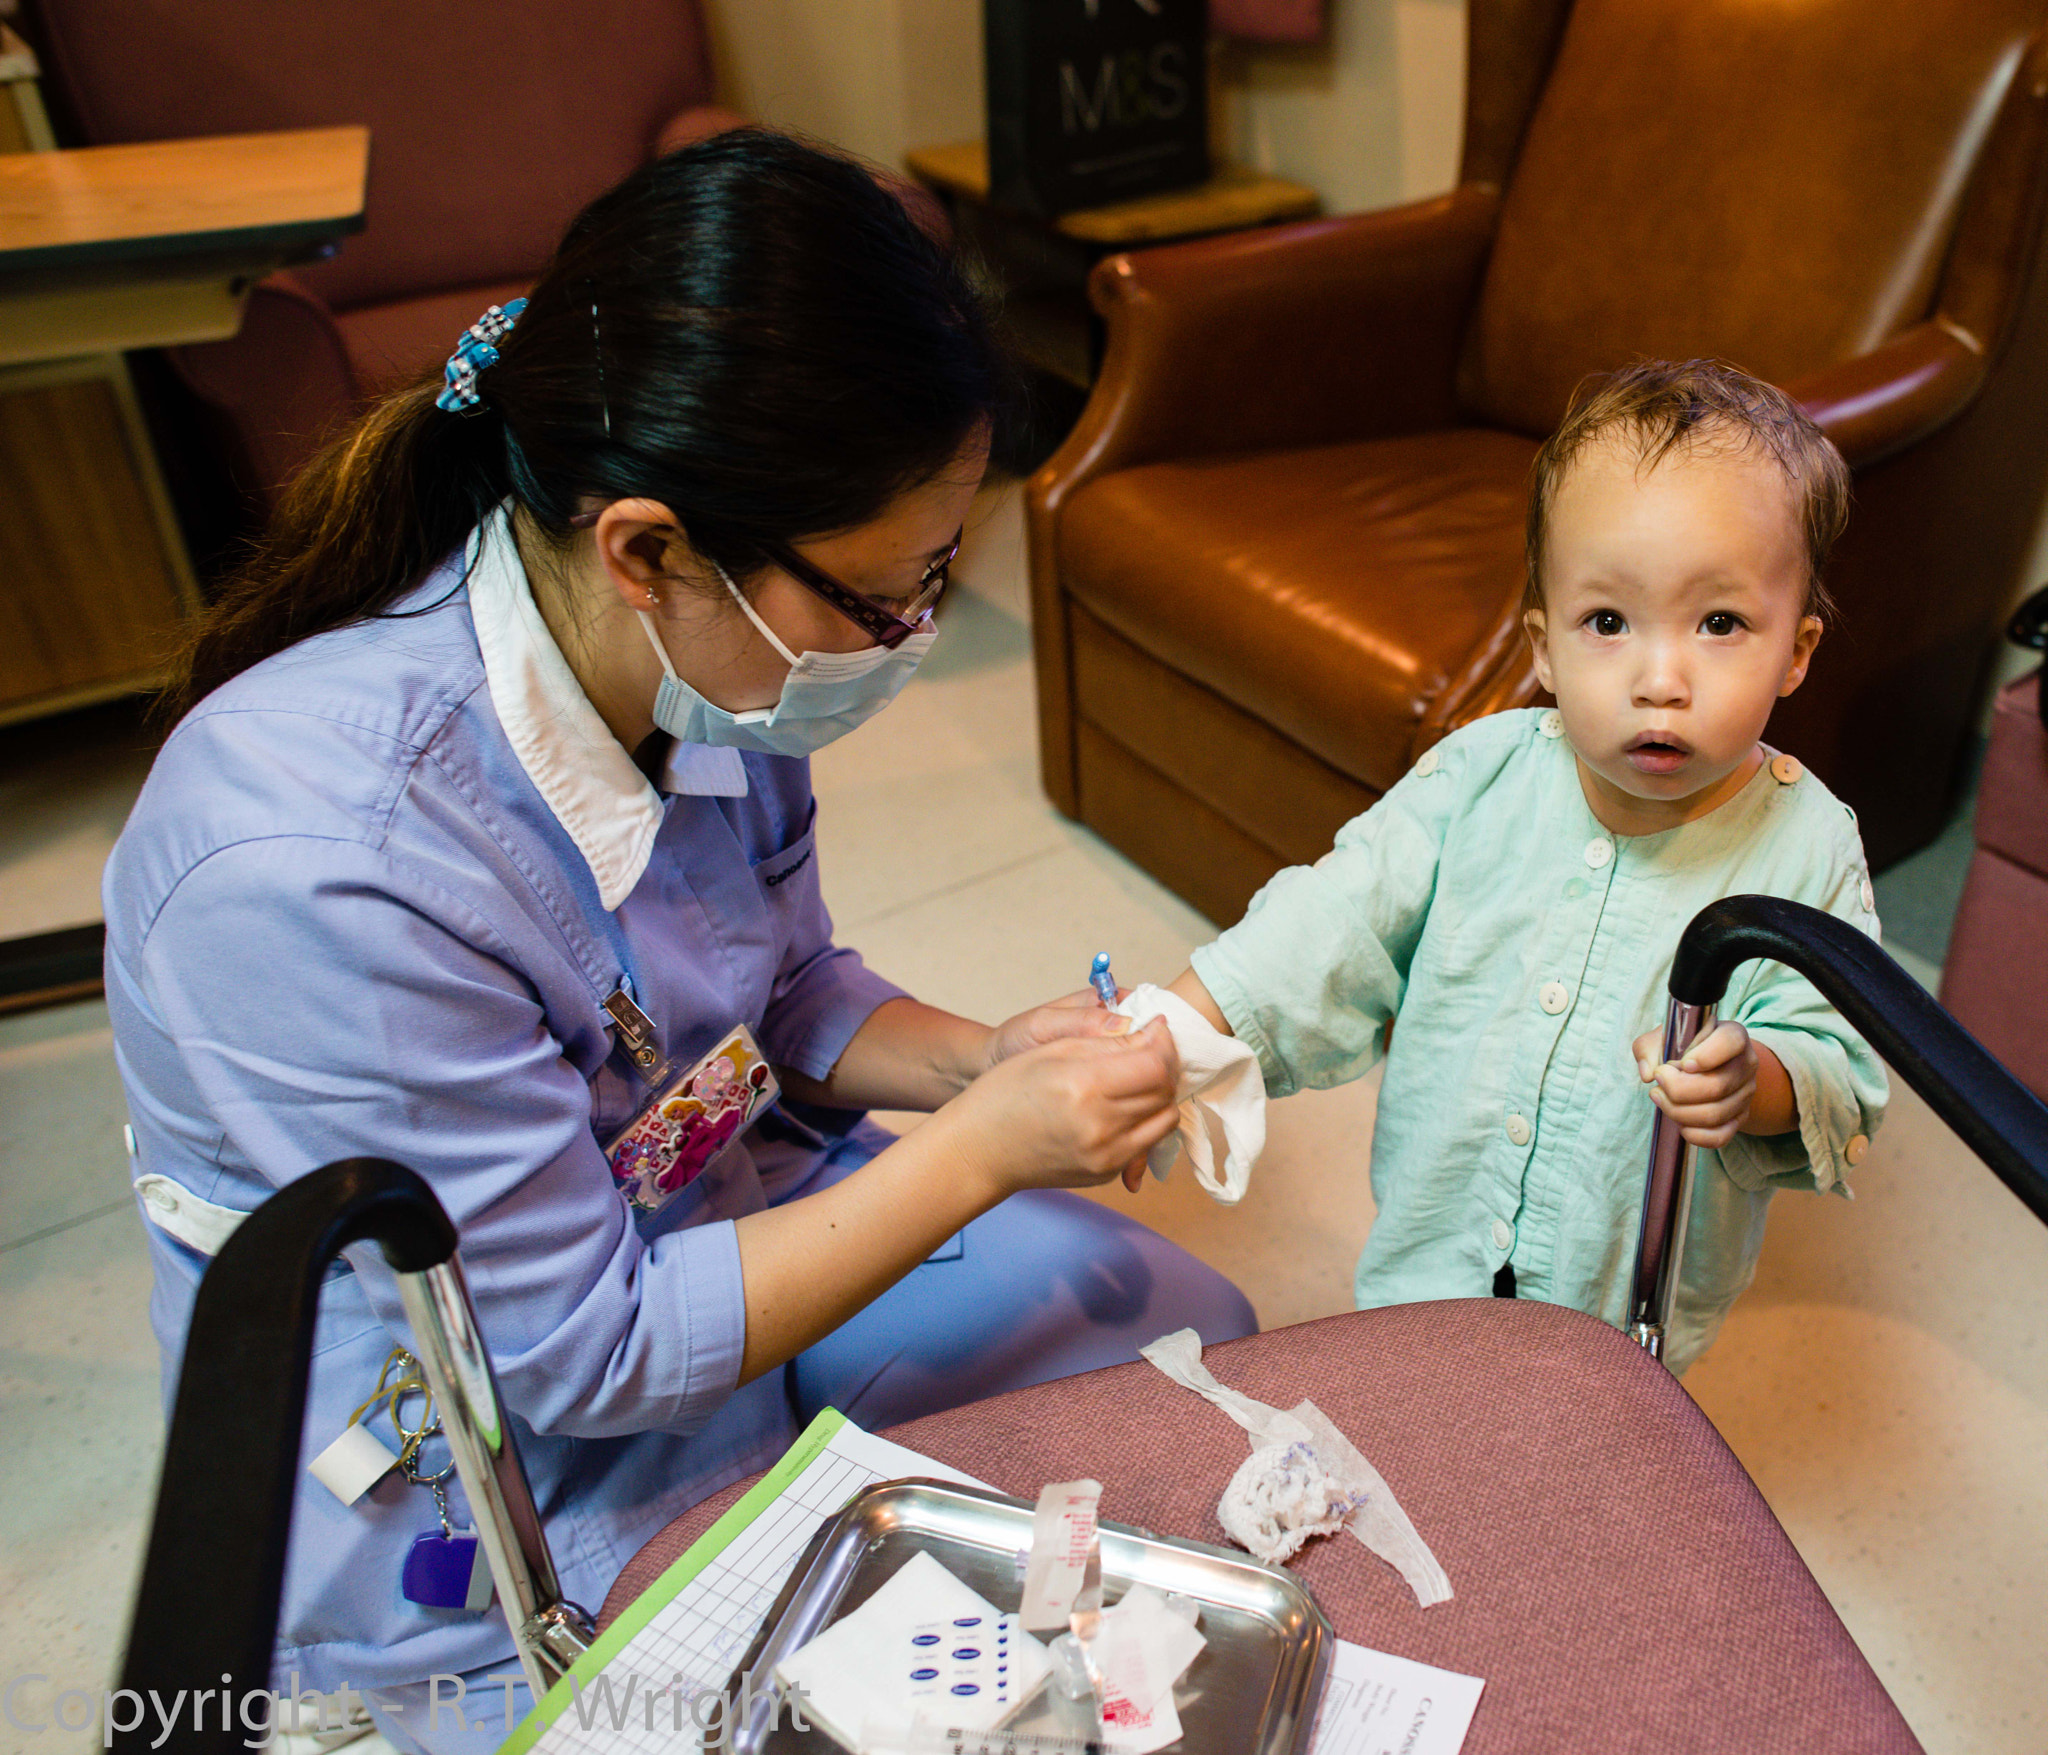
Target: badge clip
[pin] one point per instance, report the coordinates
(637, 1036)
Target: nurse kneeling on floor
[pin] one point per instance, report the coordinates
(495, 793)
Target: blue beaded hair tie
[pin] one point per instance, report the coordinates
(475, 352)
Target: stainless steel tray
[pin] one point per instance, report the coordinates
(1253, 1690)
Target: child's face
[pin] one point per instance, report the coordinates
(1672, 623)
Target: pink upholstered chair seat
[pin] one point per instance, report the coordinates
(1993, 978)
(1621, 1585)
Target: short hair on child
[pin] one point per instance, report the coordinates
(1666, 405)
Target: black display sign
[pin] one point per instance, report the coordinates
(1094, 101)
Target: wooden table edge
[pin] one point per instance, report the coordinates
(960, 168)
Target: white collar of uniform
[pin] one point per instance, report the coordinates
(602, 801)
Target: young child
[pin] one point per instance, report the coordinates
(1514, 902)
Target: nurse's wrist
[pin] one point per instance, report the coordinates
(960, 1051)
(977, 1173)
(985, 1053)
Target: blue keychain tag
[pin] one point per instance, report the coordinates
(446, 1571)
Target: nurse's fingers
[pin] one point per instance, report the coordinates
(1135, 1103)
(1147, 1127)
(1075, 1014)
(1074, 1111)
(1141, 1072)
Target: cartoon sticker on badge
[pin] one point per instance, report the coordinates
(671, 1142)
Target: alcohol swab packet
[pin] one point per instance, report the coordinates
(1141, 1645)
(1144, 1648)
(1062, 1533)
(1378, 1520)
(1141, 1649)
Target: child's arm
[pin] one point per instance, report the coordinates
(1728, 1084)
(1187, 985)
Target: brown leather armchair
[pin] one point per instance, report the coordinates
(1281, 554)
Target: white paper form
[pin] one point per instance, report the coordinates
(1378, 1704)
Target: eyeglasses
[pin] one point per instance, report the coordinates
(887, 627)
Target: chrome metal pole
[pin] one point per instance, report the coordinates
(1667, 1198)
(550, 1634)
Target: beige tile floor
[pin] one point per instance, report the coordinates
(1886, 1381)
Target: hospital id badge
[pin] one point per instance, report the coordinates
(694, 1118)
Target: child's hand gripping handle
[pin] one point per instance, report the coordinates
(1996, 1116)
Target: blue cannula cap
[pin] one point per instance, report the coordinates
(1101, 980)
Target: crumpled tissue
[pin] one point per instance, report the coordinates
(1280, 1496)
(1291, 1497)
(1222, 1096)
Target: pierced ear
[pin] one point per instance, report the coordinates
(636, 545)
(1537, 627)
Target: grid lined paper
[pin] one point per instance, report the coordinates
(695, 1639)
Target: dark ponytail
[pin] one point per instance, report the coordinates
(751, 331)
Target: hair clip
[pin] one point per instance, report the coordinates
(476, 351)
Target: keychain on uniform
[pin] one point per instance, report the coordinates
(443, 1569)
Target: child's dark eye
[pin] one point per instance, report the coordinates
(1721, 623)
(1607, 623)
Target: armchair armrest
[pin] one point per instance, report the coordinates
(283, 380)
(1297, 335)
(1895, 395)
(699, 122)
(1304, 334)
(1915, 383)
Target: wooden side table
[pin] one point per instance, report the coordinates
(104, 249)
(1043, 264)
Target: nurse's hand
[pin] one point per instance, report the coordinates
(1078, 1014)
(1070, 1113)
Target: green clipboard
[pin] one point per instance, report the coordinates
(707, 1547)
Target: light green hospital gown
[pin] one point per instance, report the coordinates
(1524, 949)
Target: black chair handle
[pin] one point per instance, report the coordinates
(1995, 1115)
(214, 1573)
(2029, 625)
(2029, 628)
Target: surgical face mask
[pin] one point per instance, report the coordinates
(825, 695)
